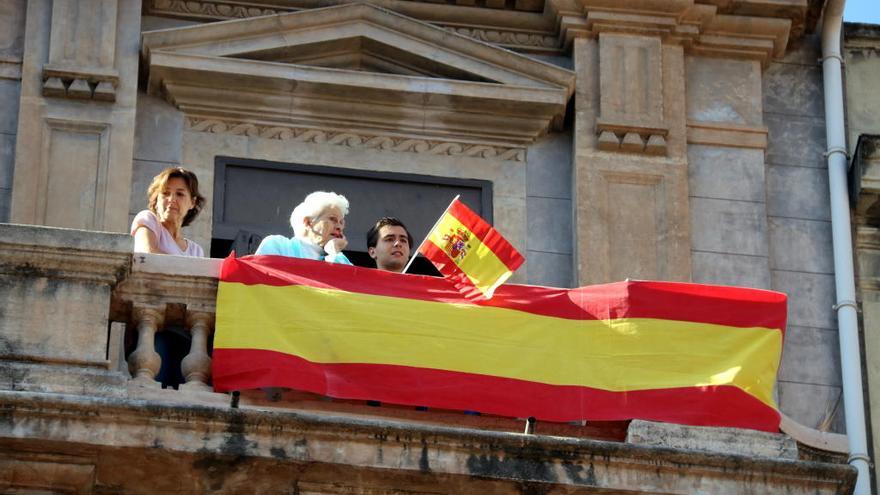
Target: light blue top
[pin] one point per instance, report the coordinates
(294, 247)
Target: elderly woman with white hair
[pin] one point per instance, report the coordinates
(318, 224)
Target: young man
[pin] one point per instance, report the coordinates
(389, 243)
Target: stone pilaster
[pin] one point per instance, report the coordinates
(631, 172)
(76, 126)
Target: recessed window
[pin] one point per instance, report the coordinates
(254, 198)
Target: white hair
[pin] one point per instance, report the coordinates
(311, 207)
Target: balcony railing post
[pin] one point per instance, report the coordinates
(144, 362)
(196, 366)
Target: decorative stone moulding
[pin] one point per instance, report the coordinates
(633, 142)
(739, 28)
(631, 95)
(522, 26)
(745, 29)
(364, 76)
(517, 40)
(211, 9)
(352, 140)
(80, 85)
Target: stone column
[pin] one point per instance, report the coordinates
(196, 366)
(144, 362)
(76, 122)
(630, 164)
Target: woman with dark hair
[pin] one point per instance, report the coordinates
(174, 202)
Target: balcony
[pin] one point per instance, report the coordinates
(80, 416)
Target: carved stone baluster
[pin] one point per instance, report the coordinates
(144, 362)
(196, 366)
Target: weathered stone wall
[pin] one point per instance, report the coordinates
(549, 207)
(157, 145)
(799, 229)
(75, 128)
(726, 182)
(158, 133)
(549, 210)
(861, 53)
(12, 17)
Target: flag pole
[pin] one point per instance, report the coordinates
(413, 258)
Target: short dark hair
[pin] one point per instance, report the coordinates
(192, 184)
(373, 233)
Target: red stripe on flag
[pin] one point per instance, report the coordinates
(487, 235)
(720, 305)
(710, 405)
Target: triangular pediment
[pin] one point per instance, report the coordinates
(365, 54)
(358, 60)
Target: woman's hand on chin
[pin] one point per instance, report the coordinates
(335, 245)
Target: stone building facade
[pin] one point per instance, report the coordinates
(654, 139)
(862, 56)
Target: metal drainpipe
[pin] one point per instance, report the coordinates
(844, 279)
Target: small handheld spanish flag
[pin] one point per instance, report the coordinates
(469, 252)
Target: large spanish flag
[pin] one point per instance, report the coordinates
(675, 352)
(469, 252)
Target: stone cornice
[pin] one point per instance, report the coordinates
(96, 257)
(517, 30)
(753, 29)
(727, 134)
(734, 29)
(391, 143)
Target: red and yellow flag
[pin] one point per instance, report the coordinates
(469, 252)
(683, 353)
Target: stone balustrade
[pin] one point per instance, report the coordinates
(73, 414)
(169, 290)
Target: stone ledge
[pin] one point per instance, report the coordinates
(60, 238)
(37, 251)
(722, 440)
(727, 134)
(59, 377)
(158, 280)
(394, 449)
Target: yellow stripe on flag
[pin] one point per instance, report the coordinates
(481, 265)
(331, 326)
